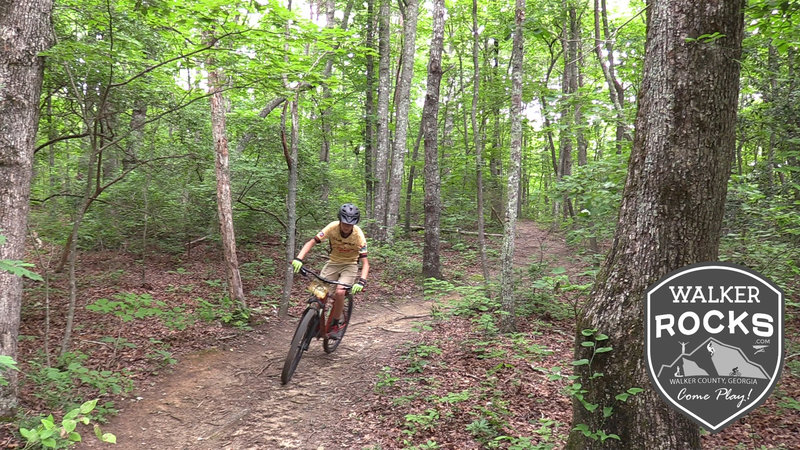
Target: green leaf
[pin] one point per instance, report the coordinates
(49, 442)
(580, 362)
(601, 337)
(608, 411)
(635, 390)
(622, 397)
(588, 332)
(591, 407)
(72, 414)
(603, 349)
(19, 268)
(587, 344)
(110, 438)
(87, 407)
(69, 425)
(48, 422)
(30, 435)
(74, 437)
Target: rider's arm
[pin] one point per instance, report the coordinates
(306, 248)
(364, 267)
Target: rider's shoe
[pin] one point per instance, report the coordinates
(337, 330)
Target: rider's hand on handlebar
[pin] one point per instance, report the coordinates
(359, 286)
(297, 263)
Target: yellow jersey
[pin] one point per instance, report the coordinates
(343, 250)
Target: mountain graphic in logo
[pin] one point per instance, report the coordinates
(712, 358)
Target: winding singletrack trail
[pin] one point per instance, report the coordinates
(232, 398)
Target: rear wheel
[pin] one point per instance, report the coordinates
(330, 344)
(306, 330)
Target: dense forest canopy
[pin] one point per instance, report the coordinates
(153, 113)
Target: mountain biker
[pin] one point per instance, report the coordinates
(347, 245)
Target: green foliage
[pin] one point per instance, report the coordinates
(418, 356)
(6, 363)
(50, 434)
(226, 311)
(400, 259)
(385, 380)
(762, 233)
(597, 343)
(130, 306)
(61, 386)
(596, 190)
(467, 301)
(425, 421)
(18, 268)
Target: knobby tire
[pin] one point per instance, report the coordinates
(306, 330)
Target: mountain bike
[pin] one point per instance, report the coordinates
(315, 322)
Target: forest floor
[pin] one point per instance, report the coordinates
(414, 370)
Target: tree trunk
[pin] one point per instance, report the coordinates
(431, 266)
(224, 208)
(384, 88)
(615, 89)
(477, 141)
(25, 31)
(401, 118)
(510, 224)
(569, 86)
(325, 146)
(411, 174)
(291, 199)
(671, 212)
(369, 112)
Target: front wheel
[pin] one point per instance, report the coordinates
(330, 344)
(306, 330)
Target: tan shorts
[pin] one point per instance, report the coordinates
(343, 273)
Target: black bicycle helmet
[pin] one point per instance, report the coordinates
(349, 214)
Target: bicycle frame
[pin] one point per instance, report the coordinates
(320, 303)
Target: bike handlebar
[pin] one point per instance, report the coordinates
(305, 272)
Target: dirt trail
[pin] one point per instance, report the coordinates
(232, 398)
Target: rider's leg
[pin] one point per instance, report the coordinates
(338, 303)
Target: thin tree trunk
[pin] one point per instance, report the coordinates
(93, 167)
(369, 113)
(411, 174)
(477, 141)
(671, 214)
(325, 147)
(510, 225)
(431, 266)
(382, 153)
(224, 208)
(291, 199)
(403, 91)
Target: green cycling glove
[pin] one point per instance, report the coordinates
(359, 286)
(297, 263)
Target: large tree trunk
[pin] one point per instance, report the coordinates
(477, 141)
(25, 31)
(510, 225)
(431, 266)
(403, 91)
(671, 212)
(384, 88)
(224, 208)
